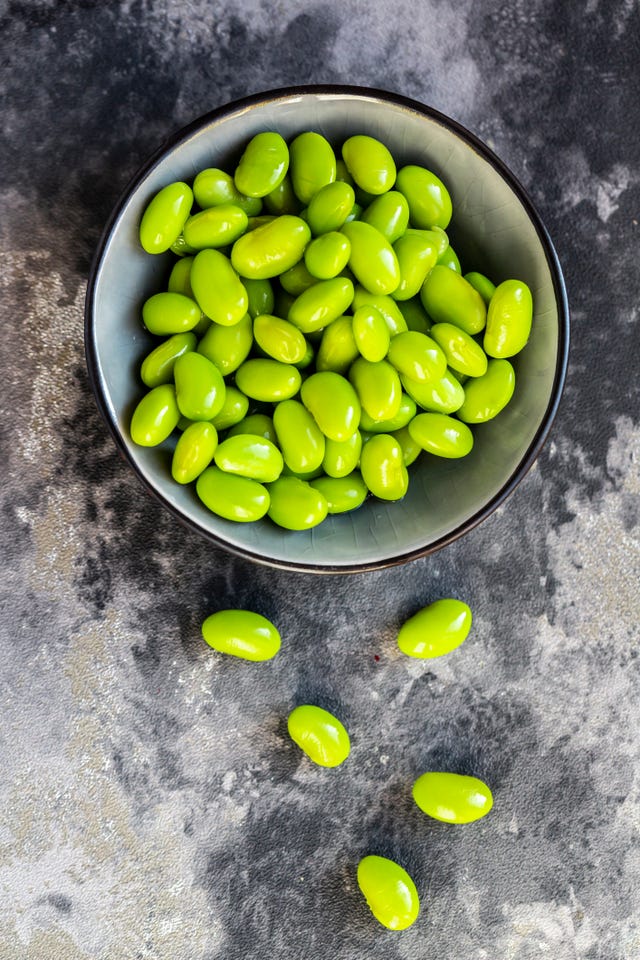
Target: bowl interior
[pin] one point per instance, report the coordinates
(492, 231)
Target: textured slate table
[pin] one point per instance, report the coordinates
(152, 806)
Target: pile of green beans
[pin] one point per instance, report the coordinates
(317, 331)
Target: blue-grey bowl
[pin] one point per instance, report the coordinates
(495, 229)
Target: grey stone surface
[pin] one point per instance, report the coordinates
(152, 805)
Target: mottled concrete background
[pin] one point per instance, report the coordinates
(152, 806)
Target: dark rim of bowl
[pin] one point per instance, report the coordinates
(478, 146)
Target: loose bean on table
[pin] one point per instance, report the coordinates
(390, 892)
(319, 734)
(452, 797)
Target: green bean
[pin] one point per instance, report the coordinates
(242, 633)
(194, 451)
(436, 629)
(390, 892)
(370, 163)
(295, 505)
(452, 797)
(319, 734)
(164, 217)
(263, 165)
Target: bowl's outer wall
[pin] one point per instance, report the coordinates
(492, 231)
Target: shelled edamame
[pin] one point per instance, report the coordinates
(317, 288)
(437, 629)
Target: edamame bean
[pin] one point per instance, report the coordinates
(463, 354)
(270, 249)
(414, 315)
(179, 281)
(181, 248)
(406, 413)
(299, 437)
(372, 259)
(338, 348)
(297, 279)
(445, 395)
(242, 633)
(436, 629)
(282, 200)
(263, 165)
(227, 347)
(386, 305)
(201, 328)
(509, 318)
(448, 298)
(307, 475)
(441, 435)
(155, 417)
(410, 449)
(428, 198)
(157, 366)
(452, 797)
(435, 235)
(268, 380)
(327, 255)
(215, 227)
(486, 396)
(416, 256)
(319, 734)
(164, 217)
(341, 457)
(194, 451)
(377, 386)
(333, 403)
(262, 221)
(390, 892)
(382, 467)
(283, 302)
(307, 360)
(233, 410)
(356, 211)
(370, 163)
(321, 303)
(330, 207)
(370, 333)
(257, 423)
(167, 313)
(232, 497)
(417, 356)
(389, 214)
(482, 284)
(261, 296)
(450, 259)
(217, 288)
(249, 455)
(313, 165)
(342, 493)
(213, 187)
(342, 173)
(200, 389)
(279, 338)
(295, 505)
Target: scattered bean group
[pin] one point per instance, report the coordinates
(449, 797)
(318, 333)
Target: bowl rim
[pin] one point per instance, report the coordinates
(476, 144)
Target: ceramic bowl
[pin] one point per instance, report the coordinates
(495, 229)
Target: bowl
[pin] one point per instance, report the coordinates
(495, 229)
